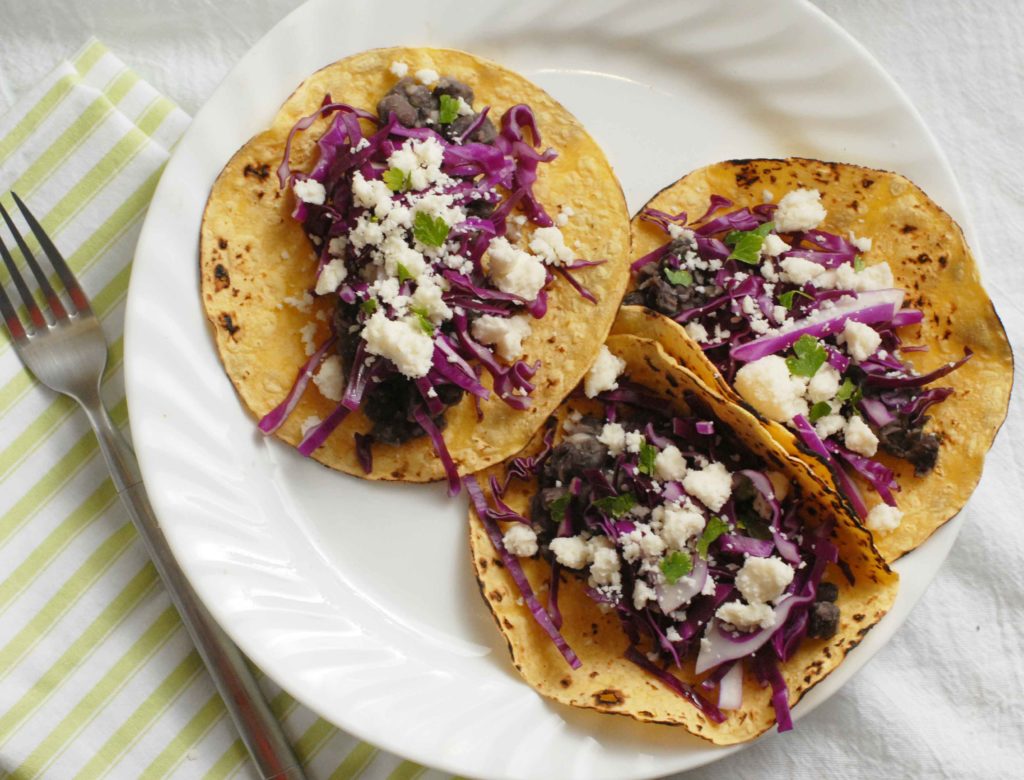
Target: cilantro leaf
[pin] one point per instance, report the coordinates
(858, 263)
(558, 507)
(449, 110)
(616, 506)
(424, 320)
(819, 410)
(715, 527)
(808, 357)
(428, 230)
(403, 274)
(786, 299)
(746, 244)
(396, 179)
(848, 391)
(681, 277)
(754, 525)
(648, 452)
(370, 306)
(676, 565)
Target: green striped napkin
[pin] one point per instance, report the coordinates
(97, 675)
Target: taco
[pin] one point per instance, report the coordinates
(844, 307)
(655, 553)
(414, 264)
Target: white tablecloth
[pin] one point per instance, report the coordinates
(944, 698)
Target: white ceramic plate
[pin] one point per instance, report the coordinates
(358, 597)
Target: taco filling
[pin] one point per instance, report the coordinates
(435, 252)
(687, 535)
(804, 331)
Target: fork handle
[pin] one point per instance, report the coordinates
(259, 729)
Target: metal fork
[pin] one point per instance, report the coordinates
(65, 349)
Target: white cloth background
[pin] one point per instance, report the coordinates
(946, 697)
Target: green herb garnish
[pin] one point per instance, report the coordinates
(428, 230)
(397, 179)
(616, 506)
(786, 299)
(808, 356)
(819, 410)
(676, 565)
(754, 525)
(369, 306)
(848, 391)
(449, 110)
(403, 274)
(858, 263)
(648, 452)
(715, 527)
(558, 507)
(746, 244)
(681, 277)
(424, 320)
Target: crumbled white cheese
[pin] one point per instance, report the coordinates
(336, 246)
(677, 231)
(309, 424)
(506, 334)
(548, 243)
(642, 593)
(399, 69)
(763, 579)
(800, 271)
(712, 485)
(767, 196)
(427, 298)
(427, 76)
(331, 275)
(823, 385)
(767, 385)
(829, 425)
(570, 551)
(669, 464)
(862, 243)
(310, 191)
(859, 437)
(697, 332)
(605, 568)
(641, 543)
(779, 314)
(634, 441)
(613, 436)
(604, 374)
(883, 518)
(672, 635)
(799, 210)
(520, 540)
(308, 335)
(421, 161)
(330, 379)
(303, 303)
(464, 108)
(774, 246)
(514, 271)
(746, 617)
(861, 340)
(403, 342)
(678, 524)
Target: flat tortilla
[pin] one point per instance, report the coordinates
(931, 261)
(606, 681)
(254, 256)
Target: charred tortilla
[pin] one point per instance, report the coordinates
(606, 681)
(254, 258)
(930, 260)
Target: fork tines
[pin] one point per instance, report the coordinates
(57, 309)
